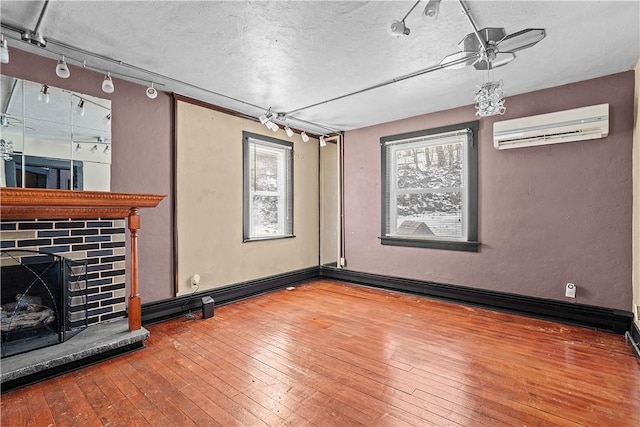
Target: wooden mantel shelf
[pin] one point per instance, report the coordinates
(29, 203)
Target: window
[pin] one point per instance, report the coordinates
(268, 187)
(430, 189)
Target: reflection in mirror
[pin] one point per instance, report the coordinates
(53, 138)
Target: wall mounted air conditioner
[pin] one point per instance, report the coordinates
(578, 124)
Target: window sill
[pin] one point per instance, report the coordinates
(433, 244)
(262, 239)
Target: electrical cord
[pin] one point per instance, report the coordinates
(189, 315)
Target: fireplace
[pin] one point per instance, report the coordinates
(43, 300)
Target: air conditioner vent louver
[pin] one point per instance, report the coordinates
(578, 124)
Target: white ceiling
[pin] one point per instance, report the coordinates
(290, 54)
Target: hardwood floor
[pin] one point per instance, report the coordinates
(332, 354)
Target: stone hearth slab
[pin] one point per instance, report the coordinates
(97, 342)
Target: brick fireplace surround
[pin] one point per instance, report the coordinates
(80, 225)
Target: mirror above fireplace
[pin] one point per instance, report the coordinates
(53, 138)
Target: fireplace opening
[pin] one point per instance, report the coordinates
(43, 300)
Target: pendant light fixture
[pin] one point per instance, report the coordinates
(62, 70)
(4, 50)
(43, 96)
(80, 108)
(107, 84)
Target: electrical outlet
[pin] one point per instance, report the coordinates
(570, 291)
(194, 280)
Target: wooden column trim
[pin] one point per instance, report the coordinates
(135, 305)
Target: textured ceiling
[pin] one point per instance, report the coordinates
(291, 54)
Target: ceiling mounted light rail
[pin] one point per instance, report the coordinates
(34, 37)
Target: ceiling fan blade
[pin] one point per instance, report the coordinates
(459, 60)
(521, 40)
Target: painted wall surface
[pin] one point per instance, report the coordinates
(547, 215)
(636, 200)
(210, 203)
(141, 156)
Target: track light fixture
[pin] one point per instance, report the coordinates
(431, 10)
(107, 84)
(151, 92)
(62, 70)
(43, 96)
(399, 28)
(94, 148)
(78, 148)
(80, 108)
(288, 130)
(304, 136)
(4, 50)
(106, 149)
(323, 143)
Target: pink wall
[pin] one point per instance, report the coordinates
(547, 215)
(141, 156)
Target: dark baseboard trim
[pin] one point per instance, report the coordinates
(634, 338)
(606, 319)
(158, 311)
(68, 367)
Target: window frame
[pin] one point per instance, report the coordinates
(270, 144)
(470, 175)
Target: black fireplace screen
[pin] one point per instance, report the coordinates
(43, 300)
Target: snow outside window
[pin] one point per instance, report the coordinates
(268, 188)
(430, 188)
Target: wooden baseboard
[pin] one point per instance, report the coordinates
(606, 319)
(166, 309)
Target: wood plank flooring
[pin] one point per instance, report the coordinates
(332, 354)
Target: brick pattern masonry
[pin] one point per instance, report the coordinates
(100, 242)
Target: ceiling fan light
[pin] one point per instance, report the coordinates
(398, 28)
(62, 70)
(304, 136)
(107, 84)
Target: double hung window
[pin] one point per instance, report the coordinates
(429, 191)
(268, 187)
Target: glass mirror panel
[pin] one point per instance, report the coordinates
(53, 138)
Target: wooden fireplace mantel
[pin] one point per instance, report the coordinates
(35, 203)
(30, 203)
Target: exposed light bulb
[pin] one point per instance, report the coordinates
(43, 96)
(288, 130)
(62, 70)
(151, 92)
(4, 51)
(304, 136)
(107, 84)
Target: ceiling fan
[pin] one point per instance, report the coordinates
(490, 48)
